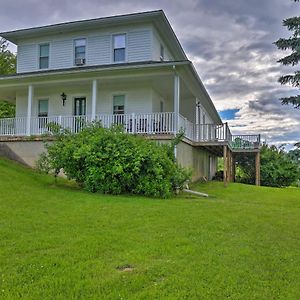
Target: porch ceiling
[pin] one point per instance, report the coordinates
(162, 82)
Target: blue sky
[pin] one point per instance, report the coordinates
(229, 41)
(228, 114)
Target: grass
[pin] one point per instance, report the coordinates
(57, 242)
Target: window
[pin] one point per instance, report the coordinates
(161, 105)
(79, 51)
(162, 52)
(119, 105)
(119, 45)
(43, 113)
(44, 56)
(43, 108)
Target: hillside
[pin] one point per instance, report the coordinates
(58, 242)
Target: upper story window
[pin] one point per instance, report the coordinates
(79, 52)
(44, 56)
(162, 53)
(119, 45)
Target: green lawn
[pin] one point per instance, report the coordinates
(57, 242)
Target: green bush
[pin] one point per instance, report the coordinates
(7, 110)
(277, 168)
(113, 162)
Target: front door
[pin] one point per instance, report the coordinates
(79, 113)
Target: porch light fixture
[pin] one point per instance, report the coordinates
(63, 98)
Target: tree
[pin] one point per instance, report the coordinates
(7, 59)
(7, 109)
(7, 66)
(278, 168)
(292, 43)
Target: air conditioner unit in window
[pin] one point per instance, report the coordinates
(80, 61)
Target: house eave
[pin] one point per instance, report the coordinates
(93, 69)
(63, 28)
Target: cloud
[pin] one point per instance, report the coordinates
(230, 43)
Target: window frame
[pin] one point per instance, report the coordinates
(113, 47)
(118, 95)
(38, 112)
(42, 119)
(74, 50)
(39, 55)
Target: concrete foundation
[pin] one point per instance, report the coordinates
(25, 152)
(202, 163)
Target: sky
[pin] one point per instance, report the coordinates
(230, 43)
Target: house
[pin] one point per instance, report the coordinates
(127, 69)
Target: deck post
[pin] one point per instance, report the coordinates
(229, 165)
(29, 107)
(94, 99)
(225, 161)
(257, 168)
(233, 168)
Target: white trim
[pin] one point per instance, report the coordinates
(49, 56)
(36, 100)
(176, 100)
(86, 50)
(112, 47)
(118, 93)
(73, 104)
(94, 98)
(29, 108)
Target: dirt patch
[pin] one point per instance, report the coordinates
(125, 268)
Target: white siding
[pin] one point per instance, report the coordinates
(157, 41)
(99, 50)
(139, 46)
(61, 54)
(157, 98)
(188, 108)
(27, 59)
(138, 99)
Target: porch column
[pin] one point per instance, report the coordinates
(257, 168)
(94, 98)
(176, 102)
(29, 106)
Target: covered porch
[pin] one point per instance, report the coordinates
(156, 98)
(144, 101)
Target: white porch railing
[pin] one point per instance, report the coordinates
(136, 123)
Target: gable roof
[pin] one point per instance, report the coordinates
(156, 17)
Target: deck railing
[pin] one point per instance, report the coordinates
(136, 123)
(247, 142)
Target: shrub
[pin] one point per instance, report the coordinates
(113, 162)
